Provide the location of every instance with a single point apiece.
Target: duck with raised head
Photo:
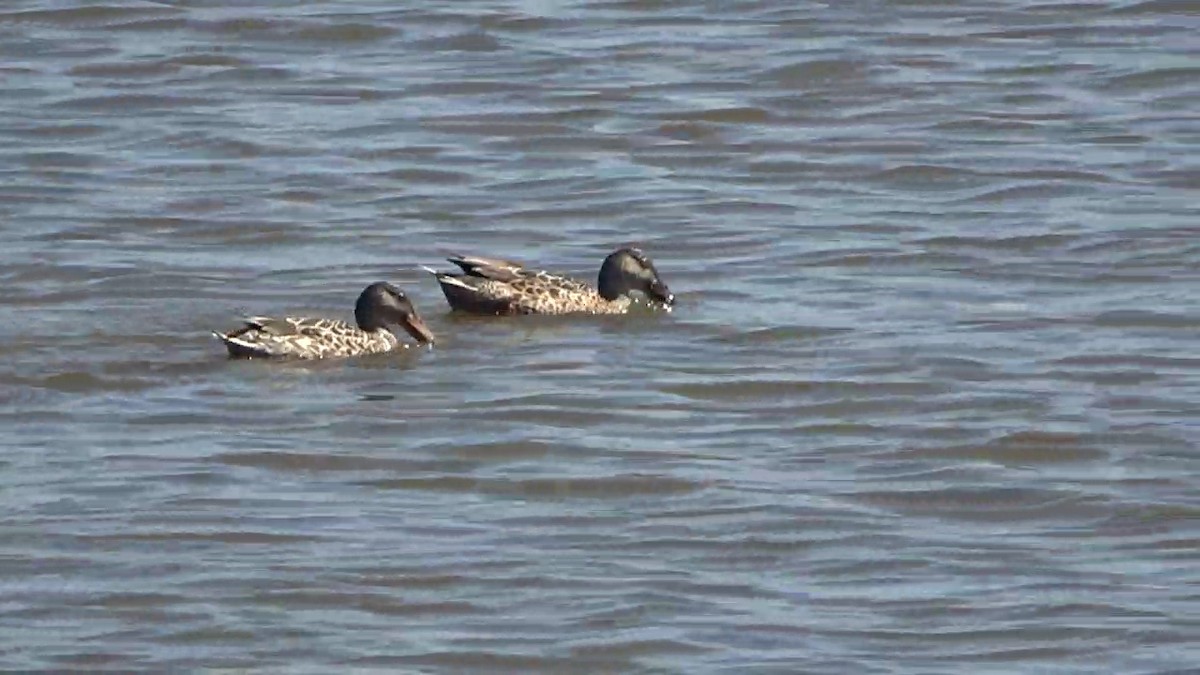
(493, 286)
(380, 307)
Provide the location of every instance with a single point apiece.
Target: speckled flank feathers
(379, 307)
(491, 286)
(527, 293)
(303, 338)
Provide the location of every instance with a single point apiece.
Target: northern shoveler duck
(491, 286)
(380, 307)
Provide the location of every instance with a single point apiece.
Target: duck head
(382, 305)
(628, 269)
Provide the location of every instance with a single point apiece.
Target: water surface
(927, 404)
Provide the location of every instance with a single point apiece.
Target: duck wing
(288, 337)
(489, 268)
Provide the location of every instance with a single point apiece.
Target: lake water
(929, 402)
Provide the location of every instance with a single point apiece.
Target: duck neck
(611, 283)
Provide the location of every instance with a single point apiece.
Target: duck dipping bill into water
(380, 307)
(492, 286)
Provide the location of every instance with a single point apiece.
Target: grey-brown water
(928, 402)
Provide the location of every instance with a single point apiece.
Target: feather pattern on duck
(493, 286)
(379, 307)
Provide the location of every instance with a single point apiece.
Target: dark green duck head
(382, 305)
(628, 269)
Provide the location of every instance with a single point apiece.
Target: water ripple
(926, 403)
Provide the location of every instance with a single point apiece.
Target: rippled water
(928, 403)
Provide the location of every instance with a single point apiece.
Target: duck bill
(415, 327)
(660, 292)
